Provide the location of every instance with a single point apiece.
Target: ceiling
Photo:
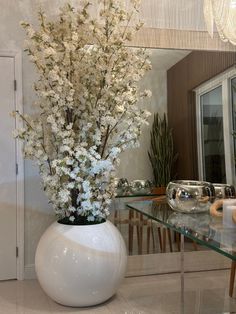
(164, 59)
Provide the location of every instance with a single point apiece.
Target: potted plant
(161, 154)
(87, 115)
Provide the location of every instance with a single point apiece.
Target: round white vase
(81, 265)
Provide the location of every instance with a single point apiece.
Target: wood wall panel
(182, 78)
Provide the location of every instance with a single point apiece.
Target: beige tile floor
(206, 293)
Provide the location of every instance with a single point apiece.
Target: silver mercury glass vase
(190, 196)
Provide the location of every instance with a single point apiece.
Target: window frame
(224, 80)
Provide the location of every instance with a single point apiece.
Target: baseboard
(150, 264)
(30, 272)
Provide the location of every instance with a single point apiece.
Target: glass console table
(201, 228)
(123, 217)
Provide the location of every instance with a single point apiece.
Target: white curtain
(173, 14)
(165, 14)
(223, 13)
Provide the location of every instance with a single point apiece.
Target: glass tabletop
(201, 227)
(130, 194)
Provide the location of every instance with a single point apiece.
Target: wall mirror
(187, 86)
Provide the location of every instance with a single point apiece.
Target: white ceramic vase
(81, 265)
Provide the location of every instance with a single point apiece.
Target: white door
(7, 171)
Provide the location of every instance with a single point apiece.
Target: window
(216, 120)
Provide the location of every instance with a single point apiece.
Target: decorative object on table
(223, 13)
(226, 209)
(140, 187)
(225, 203)
(190, 196)
(224, 190)
(123, 187)
(229, 214)
(88, 113)
(161, 154)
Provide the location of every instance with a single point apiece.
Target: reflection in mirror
(213, 136)
(233, 93)
(215, 127)
(142, 235)
(174, 80)
(134, 164)
(197, 74)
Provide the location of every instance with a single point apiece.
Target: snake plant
(161, 154)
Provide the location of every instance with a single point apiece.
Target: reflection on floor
(206, 293)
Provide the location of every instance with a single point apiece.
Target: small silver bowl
(190, 196)
(224, 190)
(140, 186)
(122, 187)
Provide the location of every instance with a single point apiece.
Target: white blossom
(88, 105)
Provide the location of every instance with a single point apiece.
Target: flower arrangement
(87, 104)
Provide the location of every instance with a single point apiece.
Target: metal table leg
(182, 271)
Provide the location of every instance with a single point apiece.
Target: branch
(42, 144)
(105, 142)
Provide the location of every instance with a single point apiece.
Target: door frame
(221, 79)
(18, 95)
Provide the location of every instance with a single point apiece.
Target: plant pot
(81, 265)
(159, 190)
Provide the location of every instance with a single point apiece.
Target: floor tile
(205, 293)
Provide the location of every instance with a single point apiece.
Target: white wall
(134, 163)
(38, 214)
